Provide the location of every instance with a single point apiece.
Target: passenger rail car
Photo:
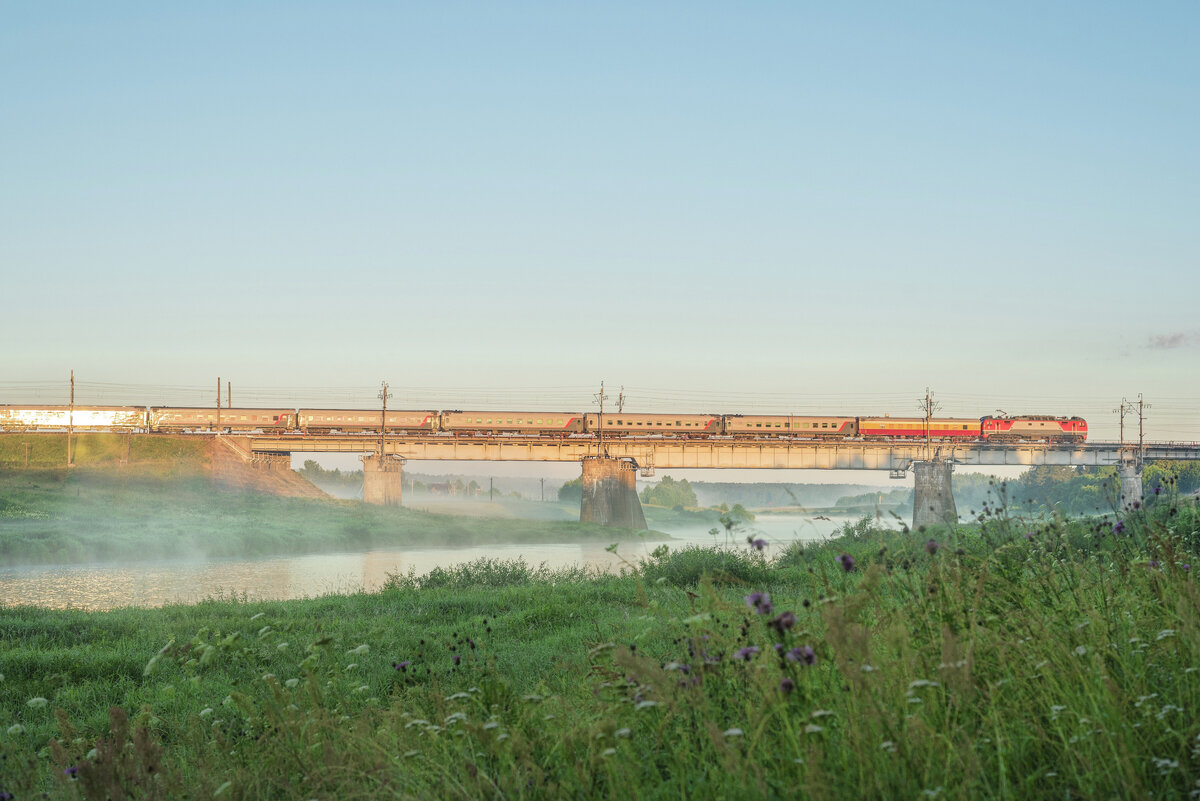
(43, 418)
(779, 425)
(457, 422)
(354, 421)
(675, 425)
(940, 428)
(178, 419)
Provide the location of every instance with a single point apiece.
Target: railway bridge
(610, 465)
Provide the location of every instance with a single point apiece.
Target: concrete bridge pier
(933, 498)
(383, 478)
(1131, 484)
(610, 493)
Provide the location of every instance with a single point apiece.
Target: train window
(678, 423)
(824, 425)
(489, 421)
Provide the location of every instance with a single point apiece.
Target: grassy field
(1006, 659)
(142, 513)
(90, 450)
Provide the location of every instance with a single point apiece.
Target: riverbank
(1003, 660)
(97, 515)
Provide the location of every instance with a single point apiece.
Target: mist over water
(110, 586)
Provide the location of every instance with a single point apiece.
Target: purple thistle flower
(402, 665)
(456, 659)
(931, 547)
(1119, 527)
(782, 622)
(746, 653)
(1158, 490)
(802, 654)
(1153, 564)
(846, 561)
(1136, 505)
(786, 685)
(758, 544)
(760, 602)
(72, 771)
(1187, 567)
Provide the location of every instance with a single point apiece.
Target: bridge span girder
(720, 454)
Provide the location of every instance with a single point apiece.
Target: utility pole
(621, 401)
(218, 404)
(383, 396)
(1120, 411)
(928, 408)
(229, 397)
(71, 421)
(1142, 406)
(600, 397)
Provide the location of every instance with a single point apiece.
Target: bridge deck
(666, 453)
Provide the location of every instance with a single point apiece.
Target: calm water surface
(109, 586)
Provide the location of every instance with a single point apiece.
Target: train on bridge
(176, 419)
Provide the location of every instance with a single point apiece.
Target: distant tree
(670, 493)
(740, 514)
(572, 491)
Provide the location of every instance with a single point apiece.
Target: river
(152, 584)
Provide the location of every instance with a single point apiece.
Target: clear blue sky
(794, 205)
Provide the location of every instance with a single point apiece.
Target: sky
(792, 207)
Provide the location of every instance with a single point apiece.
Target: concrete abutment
(933, 496)
(383, 480)
(610, 494)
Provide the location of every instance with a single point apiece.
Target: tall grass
(1007, 659)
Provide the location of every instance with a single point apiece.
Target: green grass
(140, 513)
(50, 450)
(1006, 659)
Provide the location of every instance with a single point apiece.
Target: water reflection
(109, 586)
